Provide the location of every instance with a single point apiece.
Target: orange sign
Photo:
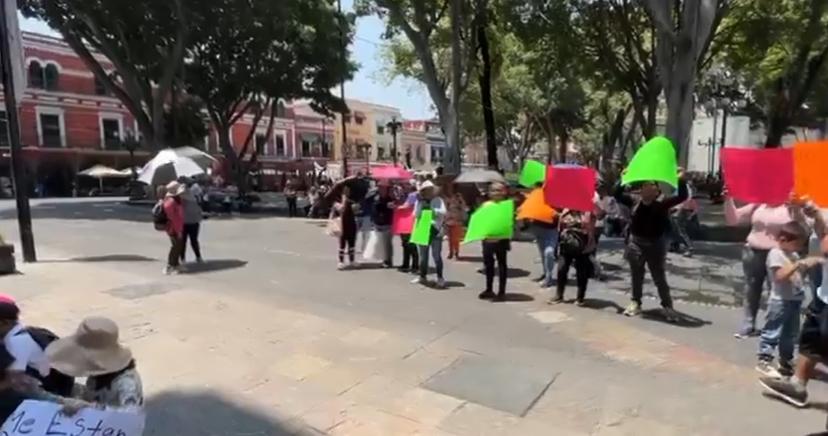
(535, 208)
(810, 161)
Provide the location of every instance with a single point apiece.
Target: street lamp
(394, 125)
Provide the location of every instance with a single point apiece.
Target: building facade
(413, 146)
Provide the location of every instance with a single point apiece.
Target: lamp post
(394, 125)
(342, 96)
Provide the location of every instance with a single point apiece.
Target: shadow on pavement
(207, 413)
(470, 259)
(684, 320)
(512, 273)
(449, 284)
(516, 297)
(599, 304)
(104, 258)
(214, 265)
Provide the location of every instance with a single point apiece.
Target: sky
(370, 83)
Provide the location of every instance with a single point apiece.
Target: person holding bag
(577, 243)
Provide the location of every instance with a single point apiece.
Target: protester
(645, 243)
(785, 270)
(344, 209)
(455, 220)
(766, 221)
(94, 352)
(290, 197)
(577, 243)
(382, 217)
(174, 212)
(429, 200)
(496, 250)
(409, 250)
(813, 340)
(546, 238)
(680, 218)
(192, 224)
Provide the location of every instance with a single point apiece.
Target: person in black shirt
(646, 244)
(382, 216)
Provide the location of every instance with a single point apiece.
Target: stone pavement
(226, 364)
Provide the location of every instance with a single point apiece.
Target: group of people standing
(178, 213)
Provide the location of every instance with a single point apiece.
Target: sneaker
(441, 283)
(539, 279)
(486, 295)
(168, 271)
(746, 333)
(786, 390)
(341, 266)
(403, 269)
(633, 309)
(670, 315)
(555, 300)
(766, 368)
(580, 303)
(181, 268)
(199, 260)
(418, 281)
(786, 369)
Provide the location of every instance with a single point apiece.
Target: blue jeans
(781, 330)
(436, 246)
(547, 241)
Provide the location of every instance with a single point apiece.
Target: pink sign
(758, 175)
(403, 221)
(570, 187)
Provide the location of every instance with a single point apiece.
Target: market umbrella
(203, 159)
(480, 176)
(391, 172)
(166, 167)
(101, 172)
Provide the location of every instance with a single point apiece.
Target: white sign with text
(39, 418)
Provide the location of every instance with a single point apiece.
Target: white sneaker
(170, 271)
(418, 281)
(340, 266)
(441, 284)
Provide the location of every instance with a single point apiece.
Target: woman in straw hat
(174, 210)
(94, 352)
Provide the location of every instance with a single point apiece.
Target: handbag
(375, 247)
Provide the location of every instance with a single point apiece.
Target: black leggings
(410, 253)
(583, 270)
(191, 232)
(492, 251)
(347, 240)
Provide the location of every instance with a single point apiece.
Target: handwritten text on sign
(38, 418)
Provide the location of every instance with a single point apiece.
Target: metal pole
(394, 136)
(21, 194)
(342, 96)
(722, 144)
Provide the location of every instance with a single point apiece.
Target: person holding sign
(495, 249)
(577, 243)
(94, 352)
(646, 245)
(765, 220)
(431, 238)
(455, 218)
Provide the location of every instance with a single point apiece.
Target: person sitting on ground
(813, 339)
(577, 243)
(646, 245)
(94, 352)
(785, 269)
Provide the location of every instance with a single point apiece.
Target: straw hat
(427, 185)
(92, 350)
(174, 189)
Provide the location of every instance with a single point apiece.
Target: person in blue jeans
(429, 200)
(546, 238)
(787, 272)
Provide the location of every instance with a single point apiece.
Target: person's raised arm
(621, 196)
(680, 197)
(735, 216)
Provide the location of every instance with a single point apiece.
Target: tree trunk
(451, 161)
(486, 84)
(563, 146)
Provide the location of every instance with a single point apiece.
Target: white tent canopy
(101, 172)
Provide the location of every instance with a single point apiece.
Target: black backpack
(159, 216)
(55, 382)
(573, 241)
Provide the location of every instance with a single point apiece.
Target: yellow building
(367, 132)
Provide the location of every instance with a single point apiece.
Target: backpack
(55, 382)
(573, 239)
(159, 216)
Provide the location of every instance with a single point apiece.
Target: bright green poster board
(533, 173)
(493, 220)
(655, 160)
(422, 228)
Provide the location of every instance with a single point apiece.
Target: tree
(186, 125)
(247, 56)
(424, 55)
(145, 42)
(779, 49)
(685, 30)
(481, 21)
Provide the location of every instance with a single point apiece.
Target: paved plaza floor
(267, 338)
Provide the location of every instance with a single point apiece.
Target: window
(380, 130)
(35, 75)
(100, 89)
(306, 146)
(359, 120)
(4, 130)
(50, 131)
(261, 144)
(280, 145)
(50, 77)
(325, 148)
(111, 131)
(380, 153)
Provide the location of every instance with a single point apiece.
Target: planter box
(7, 265)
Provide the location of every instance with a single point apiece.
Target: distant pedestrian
(410, 252)
(174, 212)
(766, 221)
(290, 197)
(577, 243)
(455, 220)
(95, 352)
(646, 244)
(786, 272)
(495, 250)
(192, 224)
(429, 200)
(344, 209)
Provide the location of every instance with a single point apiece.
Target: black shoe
(486, 295)
(786, 390)
(539, 279)
(403, 269)
(501, 297)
